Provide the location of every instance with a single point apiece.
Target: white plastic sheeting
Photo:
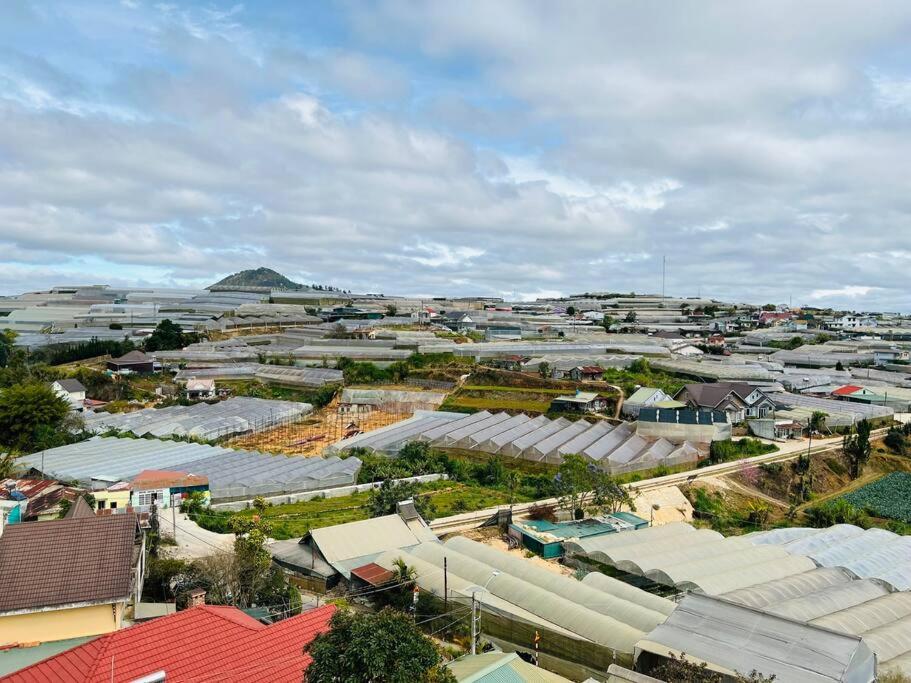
(233, 474)
(749, 575)
(615, 633)
(611, 620)
(613, 448)
(733, 638)
(868, 553)
(593, 597)
(430, 578)
(830, 600)
(795, 586)
(865, 617)
(239, 415)
(624, 590)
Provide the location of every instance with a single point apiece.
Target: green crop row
(889, 497)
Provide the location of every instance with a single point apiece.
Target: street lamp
(475, 604)
(655, 508)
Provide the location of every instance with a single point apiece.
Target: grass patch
(527, 390)
(498, 404)
(292, 520)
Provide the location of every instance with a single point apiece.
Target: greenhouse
(204, 421)
(609, 614)
(615, 449)
(233, 474)
(868, 553)
(732, 638)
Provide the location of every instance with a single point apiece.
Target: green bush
(838, 511)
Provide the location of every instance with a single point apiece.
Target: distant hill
(260, 277)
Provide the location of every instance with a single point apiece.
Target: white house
(200, 388)
(644, 397)
(71, 391)
(852, 322)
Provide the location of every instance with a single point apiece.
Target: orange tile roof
(202, 644)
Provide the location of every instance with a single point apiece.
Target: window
(145, 498)
(101, 505)
(113, 504)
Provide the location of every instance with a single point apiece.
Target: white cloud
(501, 147)
(846, 292)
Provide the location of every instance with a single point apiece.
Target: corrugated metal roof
(366, 537)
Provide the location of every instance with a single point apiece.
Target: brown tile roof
(132, 357)
(79, 508)
(81, 559)
(161, 479)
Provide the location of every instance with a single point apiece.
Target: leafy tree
(382, 500)
(839, 367)
(630, 317)
(166, 337)
(544, 369)
(896, 441)
(252, 558)
(606, 322)
(32, 416)
(818, 421)
(570, 310)
(385, 647)
(857, 447)
(7, 338)
(391, 309)
(581, 485)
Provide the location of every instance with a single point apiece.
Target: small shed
(546, 538)
(134, 361)
(580, 402)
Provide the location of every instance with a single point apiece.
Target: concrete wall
(60, 624)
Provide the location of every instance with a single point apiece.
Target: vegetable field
(889, 497)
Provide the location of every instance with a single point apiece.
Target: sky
(515, 149)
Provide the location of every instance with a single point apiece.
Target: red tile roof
(63, 561)
(846, 390)
(202, 644)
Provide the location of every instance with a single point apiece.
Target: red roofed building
(201, 644)
(846, 390)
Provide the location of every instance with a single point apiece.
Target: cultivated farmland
(889, 497)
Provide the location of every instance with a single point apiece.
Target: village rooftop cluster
(221, 484)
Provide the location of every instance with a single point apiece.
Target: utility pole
(174, 521)
(474, 625)
(663, 274)
(446, 586)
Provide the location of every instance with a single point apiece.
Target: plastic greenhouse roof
(734, 638)
(231, 473)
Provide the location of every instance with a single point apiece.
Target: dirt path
(730, 484)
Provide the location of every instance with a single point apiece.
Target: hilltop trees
(32, 417)
(166, 337)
